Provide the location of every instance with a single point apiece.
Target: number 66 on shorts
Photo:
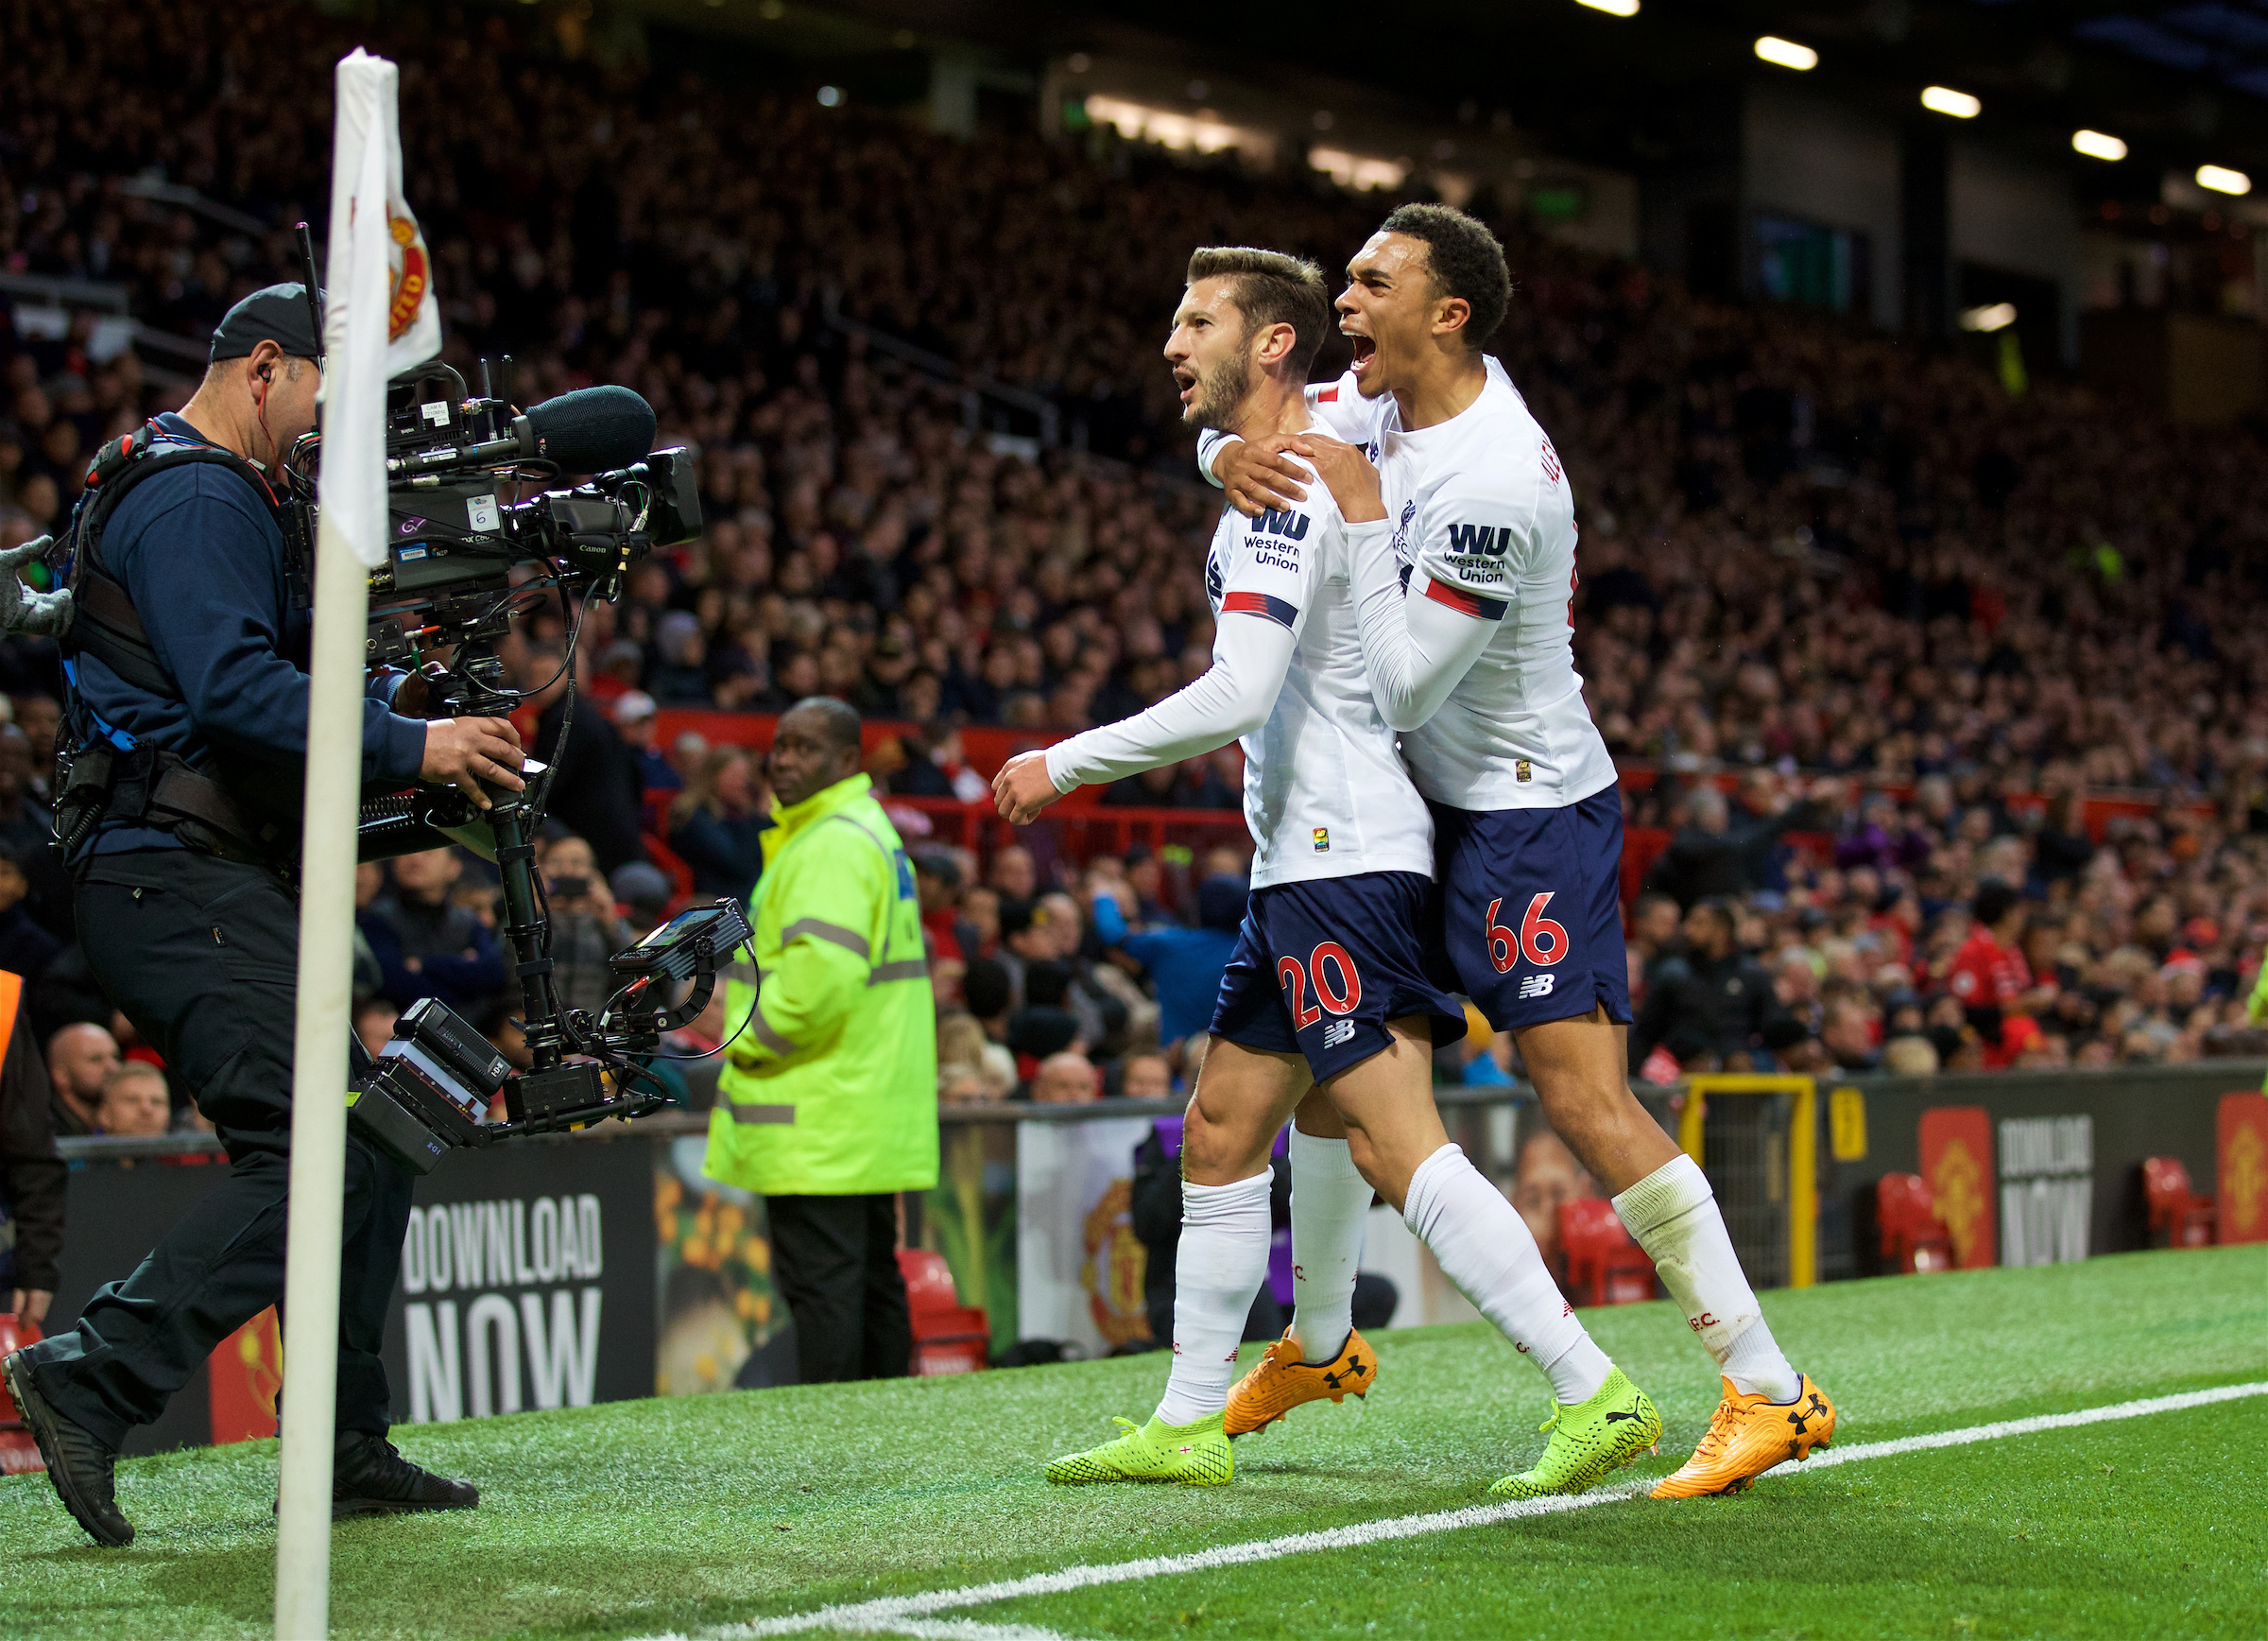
(1532, 908)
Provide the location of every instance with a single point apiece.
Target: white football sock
(1484, 1247)
(1673, 1214)
(1330, 1201)
(1221, 1262)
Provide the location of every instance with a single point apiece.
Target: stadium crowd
(1807, 548)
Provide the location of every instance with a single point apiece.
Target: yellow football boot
(1280, 1381)
(1590, 1441)
(1195, 1455)
(1747, 1436)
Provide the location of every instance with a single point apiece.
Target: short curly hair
(1465, 261)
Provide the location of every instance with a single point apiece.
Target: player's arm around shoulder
(1357, 494)
(1255, 474)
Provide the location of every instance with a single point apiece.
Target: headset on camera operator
(185, 659)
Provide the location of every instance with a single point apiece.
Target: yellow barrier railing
(1803, 1154)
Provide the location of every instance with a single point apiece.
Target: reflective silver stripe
(850, 940)
(912, 969)
(771, 1114)
(871, 838)
(765, 1035)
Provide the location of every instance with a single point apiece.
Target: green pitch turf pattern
(647, 1517)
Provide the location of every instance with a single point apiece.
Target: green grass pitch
(649, 1517)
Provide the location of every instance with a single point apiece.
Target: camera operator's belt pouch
(159, 790)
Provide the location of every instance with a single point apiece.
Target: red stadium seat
(1914, 1238)
(1604, 1266)
(949, 1337)
(2178, 1217)
(19, 1451)
(663, 855)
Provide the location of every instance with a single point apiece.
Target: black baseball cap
(278, 314)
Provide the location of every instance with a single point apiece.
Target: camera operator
(188, 714)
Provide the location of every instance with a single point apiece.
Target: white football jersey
(1483, 521)
(1325, 794)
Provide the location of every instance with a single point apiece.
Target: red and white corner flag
(381, 317)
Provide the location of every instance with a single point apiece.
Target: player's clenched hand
(1256, 475)
(1023, 787)
(1347, 473)
(463, 753)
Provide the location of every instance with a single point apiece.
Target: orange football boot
(1280, 1381)
(1747, 1436)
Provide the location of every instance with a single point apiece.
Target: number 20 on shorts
(1341, 995)
(1539, 939)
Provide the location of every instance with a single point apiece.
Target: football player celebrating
(1466, 617)
(1327, 1009)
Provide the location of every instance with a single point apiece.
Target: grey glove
(43, 614)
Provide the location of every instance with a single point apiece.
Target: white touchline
(903, 1614)
(961, 1630)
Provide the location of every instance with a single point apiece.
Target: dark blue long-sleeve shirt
(202, 558)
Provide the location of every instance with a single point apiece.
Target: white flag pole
(351, 526)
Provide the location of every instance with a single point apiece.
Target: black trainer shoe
(369, 1477)
(82, 1467)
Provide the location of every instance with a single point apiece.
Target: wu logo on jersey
(1479, 540)
(1292, 526)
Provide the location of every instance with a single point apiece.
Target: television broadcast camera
(468, 552)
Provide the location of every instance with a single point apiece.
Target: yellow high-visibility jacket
(832, 1088)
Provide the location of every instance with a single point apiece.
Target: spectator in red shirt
(1990, 978)
(938, 880)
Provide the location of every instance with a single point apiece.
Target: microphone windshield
(590, 430)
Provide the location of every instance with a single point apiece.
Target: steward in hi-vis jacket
(828, 1104)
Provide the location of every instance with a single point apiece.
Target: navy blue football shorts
(1531, 907)
(1321, 966)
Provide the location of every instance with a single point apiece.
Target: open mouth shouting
(1365, 349)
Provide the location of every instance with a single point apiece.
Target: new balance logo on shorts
(1535, 986)
(1338, 1031)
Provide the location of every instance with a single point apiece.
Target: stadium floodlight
(1786, 53)
(2098, 145)
(1357, 171)
(1996, 316)
(1941, 99)
(2221, 180)
(1612, 7)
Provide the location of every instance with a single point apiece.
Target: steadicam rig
(434, 1085)
(470, 550)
